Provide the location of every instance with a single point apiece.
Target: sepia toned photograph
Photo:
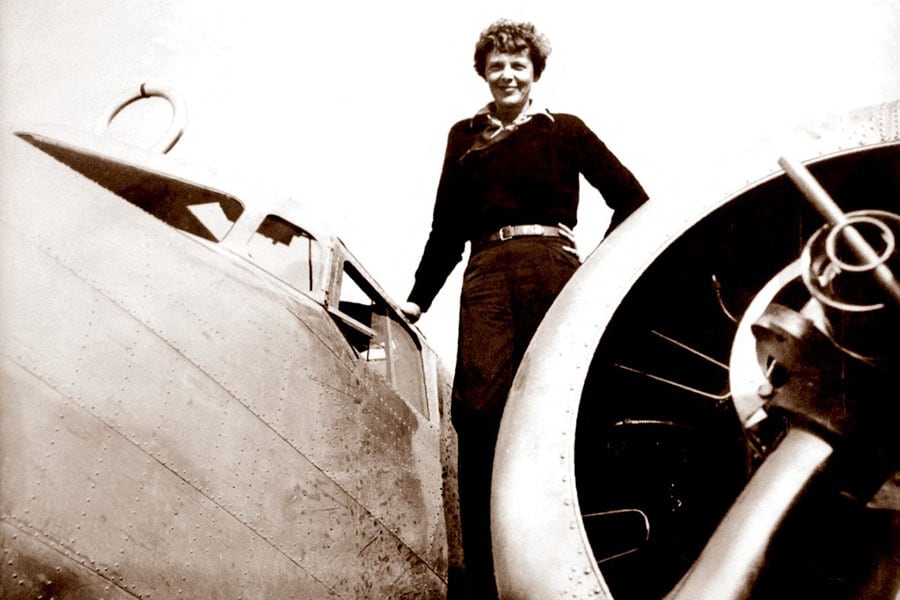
(479, 300)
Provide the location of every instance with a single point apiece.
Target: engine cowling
(647, 391)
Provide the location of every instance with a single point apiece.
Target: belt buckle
(505, 233)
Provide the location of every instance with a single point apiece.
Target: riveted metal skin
(176, 422)
(541, 547)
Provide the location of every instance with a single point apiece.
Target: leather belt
(511, 231)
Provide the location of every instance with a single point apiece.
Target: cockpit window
(381, 338)
(214, 218)
(202, 212)
(288, 252)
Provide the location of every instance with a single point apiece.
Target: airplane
(204, 393)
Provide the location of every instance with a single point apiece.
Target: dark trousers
(507, 288)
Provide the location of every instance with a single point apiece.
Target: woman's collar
(533, 109)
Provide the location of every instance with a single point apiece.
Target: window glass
(213, 218)
(288, 252)
(381, 338)
(203, 213)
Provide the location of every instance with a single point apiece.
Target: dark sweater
(531, 176)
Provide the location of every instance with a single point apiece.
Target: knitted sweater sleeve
(603, 170)
(446, 241)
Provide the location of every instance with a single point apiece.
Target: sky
(346, 105)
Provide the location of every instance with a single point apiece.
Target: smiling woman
(509, 187)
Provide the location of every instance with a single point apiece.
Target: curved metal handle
(179, 114)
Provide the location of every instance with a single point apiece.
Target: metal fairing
(620, 350)
(177, 422)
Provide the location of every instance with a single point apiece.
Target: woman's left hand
(411, 311)
(569, 236)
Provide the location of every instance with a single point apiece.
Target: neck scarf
(494, 130)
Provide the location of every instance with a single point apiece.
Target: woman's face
(509, 76)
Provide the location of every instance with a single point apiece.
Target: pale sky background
(346, 105)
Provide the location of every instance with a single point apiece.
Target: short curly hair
(505, 35)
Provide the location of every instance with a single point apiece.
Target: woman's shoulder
(571, 128)
(461, 133)
(568, 120)
(459, 138)
(463, 126)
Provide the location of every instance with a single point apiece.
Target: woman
(509, 186)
